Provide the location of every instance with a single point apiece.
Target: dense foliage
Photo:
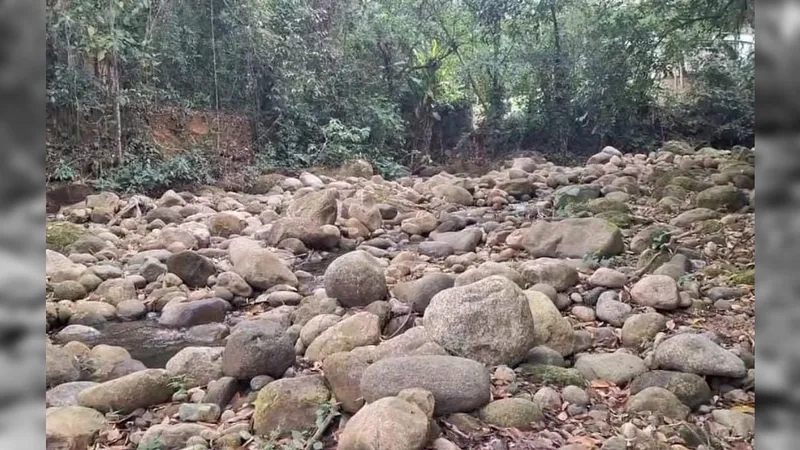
(393, 81)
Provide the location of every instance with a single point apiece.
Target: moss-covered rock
(722, 198)
(552, 375)
(618, 218)
(59, 236)
(677, 147)
(745, 276)
(357, 168)
(566, 199)
(512, 413)
(689, 183)
(265, 183)
(709, 226)
(673, 190)
(647, 256)
(601, 205)
(289, 404)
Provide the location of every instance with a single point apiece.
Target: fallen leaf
(744, 409)
(602, 384)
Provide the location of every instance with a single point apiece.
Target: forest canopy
(397, 82)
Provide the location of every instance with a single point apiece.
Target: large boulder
(190, 313)
(319, 207)
(364, 208)
(318, 237)
(457, 384)
(696, 353)
(551, 329)
(289, 404)
(258, 266)
(72, 427)
(566, 197)
(200, 365)
(656, 291)
(192, 268)
(489, 321)
(258, 348)
(453, 194)
(569, 238)
(618, 367)
(140, 389)
(225, 224)
(355, 279)
(724, 198)
(691, 389)
(61, 366)
(390, 423)
(343, 371)
(358, 330)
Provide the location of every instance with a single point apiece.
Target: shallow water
(148, 342)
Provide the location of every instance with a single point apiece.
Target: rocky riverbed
(608, 306)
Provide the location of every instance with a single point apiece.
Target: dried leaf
(747, 409)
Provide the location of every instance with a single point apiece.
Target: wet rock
(260, 348)
(191, 313)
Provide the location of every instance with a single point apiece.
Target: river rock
(125, 394)
(261, 348)
(355, 279)
(457, 384)
(488, 321)
(696, 353)
(289, 404)
(258, 266)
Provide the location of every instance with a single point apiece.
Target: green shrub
(151, 173)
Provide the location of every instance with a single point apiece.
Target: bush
(149, 172)
(720, 108)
